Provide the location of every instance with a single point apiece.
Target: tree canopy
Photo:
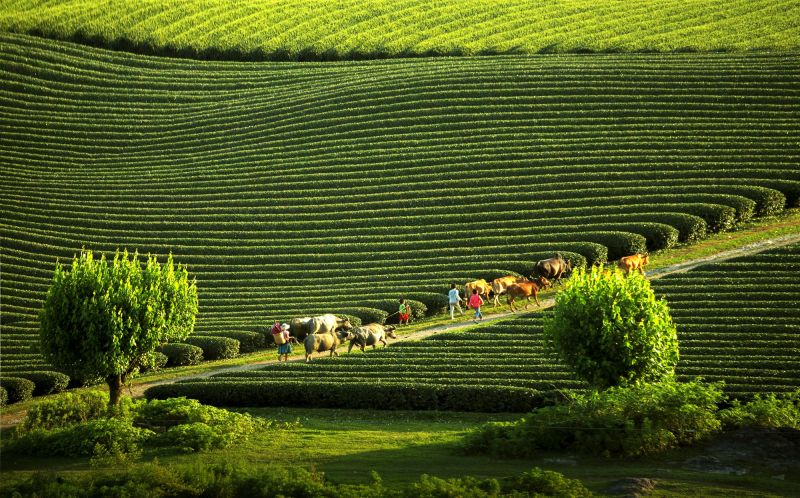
(610, 328)
(105, 320)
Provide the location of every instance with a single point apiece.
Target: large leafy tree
(610, 328)
(105, 320)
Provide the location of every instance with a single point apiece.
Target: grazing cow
(370, 335)
(323, 324)
(325, 342)
(554, 268)
(500, 285)
(526, 290)
(634, 262)
(482, 285)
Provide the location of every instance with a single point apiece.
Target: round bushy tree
(610, 328)
(102, 319)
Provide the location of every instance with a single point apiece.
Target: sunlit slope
(295, 189)
(336, 29)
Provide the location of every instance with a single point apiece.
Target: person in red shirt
(475, 302)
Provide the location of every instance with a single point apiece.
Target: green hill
(292, 189)
(325, 30)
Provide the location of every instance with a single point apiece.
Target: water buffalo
(553, 268)
(325, 342)
(634, 262)
(370, 335)
(526, 290)
(482, 285)
(500, 285)
(323, 324)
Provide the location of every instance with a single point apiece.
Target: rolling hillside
(346, 29)
(738, 321)
(291, 189)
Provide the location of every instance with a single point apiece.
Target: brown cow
(482, 285)
(526, 290)
(634, 262)
(325, 342)
(500, 285)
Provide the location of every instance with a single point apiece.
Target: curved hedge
(179, 355)
(46, 382)
(18, 389)
(3, 396)
(366, 315)
(214, 348)
(248, 341)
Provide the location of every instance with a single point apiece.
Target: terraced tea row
(325, 30)
(291, 190)
(752, 354)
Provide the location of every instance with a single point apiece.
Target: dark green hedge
(18, 389)
(214, 347)
(47, 382)
(248, 341)
(659, 235)
(390, 306)
(182, 354)
(366, 315)
(394, 396)
(436, 303)
(3, 396)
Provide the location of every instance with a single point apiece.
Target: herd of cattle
(326, 332)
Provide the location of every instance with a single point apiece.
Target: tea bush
(179, 354)
(18, 389)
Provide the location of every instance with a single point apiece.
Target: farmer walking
(455, 301)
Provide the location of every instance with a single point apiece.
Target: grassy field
(343, 29)
(293, 189)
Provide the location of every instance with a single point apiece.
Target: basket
(279, 338)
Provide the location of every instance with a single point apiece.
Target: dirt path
(8, 420)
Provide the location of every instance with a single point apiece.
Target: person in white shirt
(455, 301)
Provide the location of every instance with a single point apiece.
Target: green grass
(329, 30)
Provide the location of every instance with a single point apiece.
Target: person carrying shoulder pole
(455, 301)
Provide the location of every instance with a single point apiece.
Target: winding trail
(8, 420)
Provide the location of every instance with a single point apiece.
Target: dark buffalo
(325, 342)
(370, 335)
(554, 268)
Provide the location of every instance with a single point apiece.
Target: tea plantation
(290, 189)
(738, 322)
(341, 29)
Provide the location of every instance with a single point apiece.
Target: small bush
(180, 355)
(159, 360)
(66, 409)
(18, 389)
(764, 411)
(390, 306)
(366, 315)
(215, 348)
(548, 483)
(435, 302)
(248, 341)
(46, 382)
(83, 439)
(637, 420)
(3, 396)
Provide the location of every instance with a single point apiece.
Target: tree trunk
(114, 389)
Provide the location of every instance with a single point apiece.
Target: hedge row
(376, 396)
(18, 389)
(45, 382)
(181, 354)
(248, 341)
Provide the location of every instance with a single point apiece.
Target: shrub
(248, 341)
(366, 315)
(160, 361)
(610, 328)
(18, 389)
(764, 411)
(181, 354)
(638, 420)
(618, 243)
(390, 306)
(537, 482)
(215, 348)
(659, 235)
(83, 439)
(65, 409)
(3, 397)
(355, 321)
(435, 303)
(46, 382)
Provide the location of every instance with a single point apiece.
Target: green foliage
(180, 354)
(215, 348)
(106, 319)
(46, 382)
(160, 361)
(17, 389)
(228, 479)
(611, 329)
(390, 306)
(65, 409)
(764, 411)
(248, 341)
(638, 420)
(3, 396)
(366, 315)
(102, 435)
